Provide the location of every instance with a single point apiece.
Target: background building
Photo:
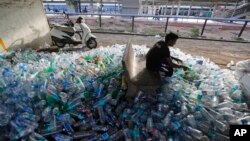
(197, 8)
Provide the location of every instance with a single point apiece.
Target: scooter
(67, 34)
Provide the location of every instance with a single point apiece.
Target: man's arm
(176, 59)
(173, 65)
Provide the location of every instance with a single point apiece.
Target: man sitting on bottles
(158, 58)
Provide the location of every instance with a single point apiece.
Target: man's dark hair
(171, 36)
(78, 20)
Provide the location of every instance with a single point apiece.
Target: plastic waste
(81, 96)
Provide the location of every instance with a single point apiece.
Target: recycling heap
(81, 96)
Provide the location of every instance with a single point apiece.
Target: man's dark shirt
(157, 56)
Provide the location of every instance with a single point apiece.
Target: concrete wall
(23, 24)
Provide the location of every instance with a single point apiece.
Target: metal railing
(133, 16)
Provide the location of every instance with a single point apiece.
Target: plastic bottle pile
(80, 96)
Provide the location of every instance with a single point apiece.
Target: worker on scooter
(80, 21)
(87, 37)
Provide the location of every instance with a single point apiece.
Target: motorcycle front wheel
(78, 36)
(91, 43)
(60, 44)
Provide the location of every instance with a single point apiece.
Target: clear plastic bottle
(220, 125)
(117, 136)
(244, 120)
(100, 128)
(138, 96)
(83, 135)
(194, 132)
(149, 124)
(101, 114)
(191, 121)
(221, 137)
(68, 128)
(21, 132)
(62, 137)
(127, 134)
(136, 134)
(120, 107)
(4, 116)
(184, 109)
(63, 96)
(157, 114)
(206, 114)
(227, 104)
(46, 114)
(99, 90)
(36, 137)
(167, 118)
(185, 136)
(162, 108)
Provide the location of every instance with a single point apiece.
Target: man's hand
(179, 60)
(185, 68)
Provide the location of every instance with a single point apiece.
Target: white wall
(23, 23)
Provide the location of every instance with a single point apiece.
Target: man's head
(171, 38)
(79, 20)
